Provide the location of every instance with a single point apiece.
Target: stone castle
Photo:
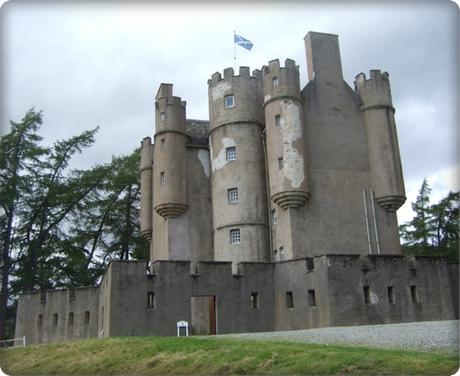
(278, 213)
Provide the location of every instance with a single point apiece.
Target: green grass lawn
(193, 356)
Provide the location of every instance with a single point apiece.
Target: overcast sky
(90, 64)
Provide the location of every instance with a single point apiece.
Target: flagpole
(234, 52)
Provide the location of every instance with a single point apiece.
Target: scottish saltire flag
(243, 42)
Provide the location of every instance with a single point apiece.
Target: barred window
(229, 101)
(232, 195)
(235, 236)
(231, 153)
(70, 319)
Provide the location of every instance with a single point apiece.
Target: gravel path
(425, 335)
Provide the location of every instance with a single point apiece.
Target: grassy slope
(166, 355)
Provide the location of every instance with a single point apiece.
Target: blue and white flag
(243, 42)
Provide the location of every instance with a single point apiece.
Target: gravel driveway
(425, 335)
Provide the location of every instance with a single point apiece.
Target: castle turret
(284, 131)
(169, 185)
(146, 187)
(238, 182)
(384, 159)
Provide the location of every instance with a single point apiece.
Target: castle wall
(302, 280)
(173, 285)
(419, 287)
(50, 320)
(189, 236)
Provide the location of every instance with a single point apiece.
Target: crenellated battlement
(165, 97)
(229, 75)
(375, 90)
(281, 82)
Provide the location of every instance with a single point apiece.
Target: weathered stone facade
(277, 214)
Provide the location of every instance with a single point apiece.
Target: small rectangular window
(311, 298)
(254, 300)
(280, 163)
(275, 82)
(55, 319)
(150, 300)
(162, 178)
(70, 319)
(229, 101)
(413, 272)
(87, 317)
(232, 195)
(367, 294)
(310, 264)
(42, 296)
(289, 299)
(40, 321)
(414, 294)
(391, 297)
(162, 116)
(235, 236)
(71, 294)
(162, 143)
(278, 120)
(231, 153)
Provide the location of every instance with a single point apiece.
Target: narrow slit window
(70, 319)
(278, 120)
(231, 153)
(254, 300)
(280, 163)
(87, 317)
(275, 82)
(229, 101)
(162, 116)
(235, 236)
(275, 255)
(367, 294)
(311, 298)
(162, 178)
(150, 300)
(414, 294)
(232, 195)
(273, 217)
(40, 321)
(72, 294)
(289, 299)
(391, 296)
(281, 254)
(162, 143)
(55, 319)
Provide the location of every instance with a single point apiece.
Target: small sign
(182, 329)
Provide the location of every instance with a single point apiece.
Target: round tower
(238, 181)
(169, 185)
(146, 187)
(285, 140)
(384, 159)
